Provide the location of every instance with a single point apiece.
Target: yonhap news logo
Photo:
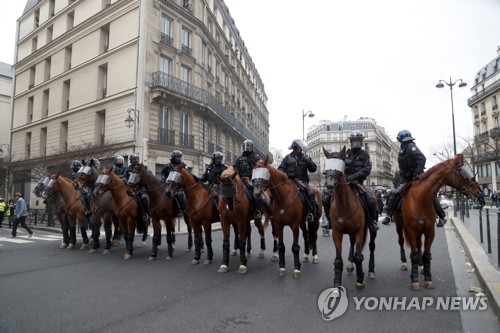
(333, 303)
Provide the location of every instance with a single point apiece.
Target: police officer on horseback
(144, 199)
(174, 164)
(243, 165)
(118, 167)
(358, 167)
(296, 166)
(76, 165)
(214, 170)
(411, 164)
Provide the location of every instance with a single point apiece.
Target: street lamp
(450, 84)
(129, 122)
(303, 119)
(2, 151)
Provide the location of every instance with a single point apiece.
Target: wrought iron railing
(486, 91)
(187, 140)
(166, 39)
(166, 136)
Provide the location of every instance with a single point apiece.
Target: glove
(350, 178)
(416, 175)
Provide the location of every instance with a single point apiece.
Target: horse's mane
(228, 172)
(433, 169)
(196, 179)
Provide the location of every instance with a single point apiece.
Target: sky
(350, 59)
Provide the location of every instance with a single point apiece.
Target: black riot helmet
(217, 157)
(248, 146)
(176, 157)
(134, 159)
(95, 162)
(76, 165)
(404, 136)
(119, 160)
(298, 143)
(356, 139)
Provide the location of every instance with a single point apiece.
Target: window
(495, 122)
(163, 121)
(476, 112)
(102, 81)
(37, 18)
(165, 64)
(100, 127)
(105, 38)
(70, 21)
(495, 105)
(45, 103)
(34, 44)
(166, 30)
(67, 57)
(484, 127)
(185, 77)
(48, 63)
(32, 77)
(27, 151)
(51, 8)
(65, 94)
(63, 139)
(29, 117)
(43, 141)
(186, 139)
(50, 32)
(186, 41)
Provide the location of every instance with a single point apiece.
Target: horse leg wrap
(225, 252)
(156, 243)
(426, 259)
(358, 261)
(338, 267)
(210, 252)
(296, 259)
(243, 256)
(415, 259)
(402, 255)
(262, 243)
(197, 247)
(281, 254)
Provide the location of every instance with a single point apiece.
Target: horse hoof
(371, 275)
(274, 257)
(127, 256)
(168, 258)
(195, 261)
(350, 267)
(360, 286)
(207, 262)
(305, 258)
(70, 247)
(415, 286)
(429, 285)
(151, 258)
(261, 255)
(233, 253)
(222, 269)
(142, 244)
(107, 251)
(84, 246)
(296, 274)
(404, 266)
(92, 251)
(315, 259)
(282, 272)
(242, 269)
(63, 246)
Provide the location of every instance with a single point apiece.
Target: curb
(487, 274)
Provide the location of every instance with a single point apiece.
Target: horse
(102, 210)
(73, 205)
(201, 208)
(56, 203)
(125, 207)
(348, 216)
(417, 216)
(161, 207)
(237, 209)
(287, 208)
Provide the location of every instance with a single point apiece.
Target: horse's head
(175, 180)
(52, 186)
(463, 179)
(84, 177)
(136, 180)
(334, 167)
(260, 176)
(228, 186)
(40, 187)
(106, 181)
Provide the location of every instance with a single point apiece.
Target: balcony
(166, 136)
(166, 39)
(482, 137)
(186, 49)
(187, 140)
(495, 133)
(480, 95)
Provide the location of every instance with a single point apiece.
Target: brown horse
(287, 208)
(73, 205)
(56, 202)
(418, 216)
(125, 207)
(201, 208)
(161, 207)
(348, 216)
(237, 210)
(102, 210)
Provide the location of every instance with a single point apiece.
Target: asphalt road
(45, 289)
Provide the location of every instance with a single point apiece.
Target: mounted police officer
(76, 165)
(296, 166)
(173, 165)
(144, 199)
(118, 167)
(411, 164)
(214, 170)
(358, 167)
(243, 165)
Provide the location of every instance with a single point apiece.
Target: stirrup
(258, 214)
(309, 218)
(441, 222)
(145, 217)
(386, 221)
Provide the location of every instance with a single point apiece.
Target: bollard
(498, 239)
(467, 209)
(488, 234)
(462, 208)
(481, 226)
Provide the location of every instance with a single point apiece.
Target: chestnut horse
(56, 203)
(161, 207)
(237, 209)
(102, 210)
(418, 216)
(287, 208)
(125, 207)
(73, 205)
(201, 208)
(348, 216)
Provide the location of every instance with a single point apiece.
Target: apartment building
(6, 75)
(485, 113)
(143, 76)
(333, 135)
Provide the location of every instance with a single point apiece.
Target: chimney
(498, 50)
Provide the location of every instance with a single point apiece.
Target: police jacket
(244, 163)
(169, 168)
(118, 169)
(411, 160)
(128, 170)
(211, 173)
(297, 165)
(358, 165)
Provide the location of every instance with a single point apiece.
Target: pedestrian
(2, 211)
(481, 200)
(21, 214)
(11, 212)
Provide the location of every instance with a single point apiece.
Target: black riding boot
(145, 207)
(440, 213)
(371, 206)
(391, 202)
(312, 207)
(88, 211)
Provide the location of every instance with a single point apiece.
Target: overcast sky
(380, 59)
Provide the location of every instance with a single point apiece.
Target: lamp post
(450, 84)
(303, 120)
(129, 122)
